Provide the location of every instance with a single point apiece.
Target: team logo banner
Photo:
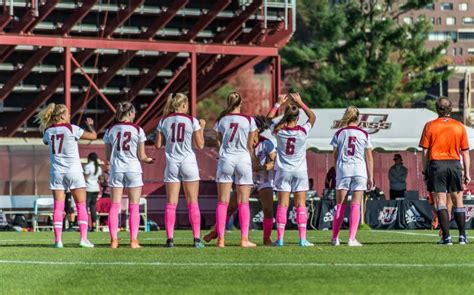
(372, 123)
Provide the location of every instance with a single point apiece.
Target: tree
(356, 53)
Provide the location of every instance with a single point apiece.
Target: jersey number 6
(125, 144)
(290, 146)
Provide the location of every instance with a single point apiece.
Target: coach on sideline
(443, 141)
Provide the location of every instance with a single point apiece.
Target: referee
(444, 140)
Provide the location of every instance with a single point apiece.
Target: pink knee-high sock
(170, 219)
(134, 220)
(244, 219)
(354, 221)
(114, 219)
(281, 221)
(338, 220)
(267, 227)
(82, 219)
(221, 217)
(195, 219)
(58, 216)
(301, 220)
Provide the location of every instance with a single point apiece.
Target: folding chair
(42, 207)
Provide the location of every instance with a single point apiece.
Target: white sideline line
(232, 264)
(92, 240)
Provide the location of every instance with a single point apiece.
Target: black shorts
(445, 176)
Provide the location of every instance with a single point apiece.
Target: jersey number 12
(125, 144)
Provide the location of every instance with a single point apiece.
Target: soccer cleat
(169, 243)
(446, 242)
(305, 243)
(335, 242)
(198, 244)
(462, 240)
(58, 245)
(220, 243)
(354, 243)
(278, 243)
(86, 244)
(267, 242)
(114, 244)
(212, 235)
(245, 243)
(134, 244)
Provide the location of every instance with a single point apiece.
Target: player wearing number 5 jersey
(125, 148)
(180, 131)
(234, 166)
(291, 172)
(66, 170)
(352, 148)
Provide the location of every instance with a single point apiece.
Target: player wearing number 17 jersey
(291, 172)
(353, 173)
(125, 148)
(66, 170)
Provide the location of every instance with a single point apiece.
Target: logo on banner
(469, 212)
(413, 215)
(372, 123)
(258, 218)
(388, 215)
(329, 216)
(292, 216)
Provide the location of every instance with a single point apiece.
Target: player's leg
(58, 216)
(77, 184)
(354, 219)
(116, 183)
(460, 215)
(243, 196)
(266, 199)
(134, 195)
(191, 192)
(443, 217)
(282, 216)
(172, 197)
(91, 204)
(223, 192)
(231, 208)
(342, 188)
(302, 217)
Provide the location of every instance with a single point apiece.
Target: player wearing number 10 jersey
(351, 149)
(66, 170)
(291, 172)
(125, 148)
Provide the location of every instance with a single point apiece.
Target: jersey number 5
(125, 144)
(290, 146)
(60, 138)
(177, 134)
(351, 146)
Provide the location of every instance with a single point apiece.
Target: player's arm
(311, 116)
(89, 133)
(335, 154)
(142, 156)
(370, 168)
(281, 100)
(255, 163)
(159, 140)
(270, 164)
(108, 152)
(218, 141)
(198, 135)
(467, 166)
(425, 161)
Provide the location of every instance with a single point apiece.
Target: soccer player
(354, 172)
(180, 131)
(66, 169)
(234, 166)
(443, 141)
(125, 148)
(291, 172)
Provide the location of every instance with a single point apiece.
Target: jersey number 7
(234, 127)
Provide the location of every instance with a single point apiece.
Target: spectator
(330, 181)
(92, 172)
(398, 178)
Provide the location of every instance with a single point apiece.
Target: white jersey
(291, 151)
(124, 139)
(351, 143)
(235, 129)
(92, 181)
(264, 148)
(64, 152)
(178, 130)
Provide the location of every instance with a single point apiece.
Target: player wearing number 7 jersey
(180, 131)
(291, 172)
(125, 148)
(351, 149)
(66, 170)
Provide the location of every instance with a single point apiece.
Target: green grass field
(390, 262)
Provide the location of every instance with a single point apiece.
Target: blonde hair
(50, 115)
(292, 112)
(124, 109)
(351, 115)
(234, 99)
(174, 102)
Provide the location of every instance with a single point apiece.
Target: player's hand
(370, 183)
(202, 123)
(89, 122)
(296, 98)
(467, 179)
(149, 160)
(282, 99)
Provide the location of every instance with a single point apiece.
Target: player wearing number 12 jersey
(291, 172)
(66, 170)
(353, 173)
(125, 148)
(180, 132)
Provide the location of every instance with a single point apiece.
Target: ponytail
(124, 109)
(93, 157)
(234, 99)
(263, 123)
(292, 113)
(50, 115)
(351, 115)
(174, 102)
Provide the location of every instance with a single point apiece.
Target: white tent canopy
(389, 129)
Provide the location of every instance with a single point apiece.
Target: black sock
(444, 222)
(460, 218)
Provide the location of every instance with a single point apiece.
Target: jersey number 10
(177, 134)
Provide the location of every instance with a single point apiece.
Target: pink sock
(195, 219)
(170, 219)
(267, 228)
(354, 221)
(114, 219)
(301, 220)
(58, 216)
(221, 216)
(82, 219)
(338, 220)
(281, 221)
(134, 220)
(244, 219)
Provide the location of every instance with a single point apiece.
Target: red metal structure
(92, 54)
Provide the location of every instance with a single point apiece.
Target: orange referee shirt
(444, 138)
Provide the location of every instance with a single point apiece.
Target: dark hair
(234, 99)
(292, 113)
(92, 157)
(444, 106)
(263, 123)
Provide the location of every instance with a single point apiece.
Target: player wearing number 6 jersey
(291, 172)
(351, 149)
(234, 166)
(66, 170)
(125, 148)
(180, 131)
